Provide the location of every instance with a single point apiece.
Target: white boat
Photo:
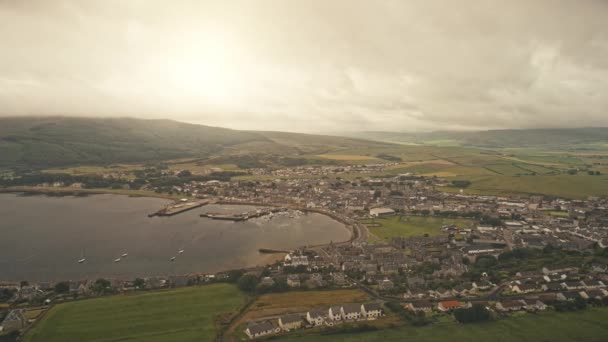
(80, 261)
(181, 251)
(124, 255)
(172, 259)
(117, 260)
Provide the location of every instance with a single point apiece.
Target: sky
(310, 65)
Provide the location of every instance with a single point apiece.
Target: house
(483, 285)
(15, 320)
(262, 329)
(267, 281)
(351, 311)
(593, 284)
(420, 305)
(550, 270)
(293, 280)
(373, 310)
(385, 284)
(381, 212)
(335, 313)
(339, 278)
(552, 287)
(316, 317)
(597, 294)
(449, 305)
(290, 322)
(524, 288)
(534, 305)
(573, 285)
(510, 305)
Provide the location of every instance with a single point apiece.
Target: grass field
(548, 326)
(186, 314)
(407, 226)
(271, 304)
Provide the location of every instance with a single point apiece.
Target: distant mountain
(514, 138)
(39, 142)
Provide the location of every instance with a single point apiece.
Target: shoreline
(264, 260)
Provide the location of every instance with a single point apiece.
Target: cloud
(310, 65)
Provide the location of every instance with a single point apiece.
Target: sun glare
(205, 68)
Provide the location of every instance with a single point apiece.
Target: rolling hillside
(41, 142)
(571, 138)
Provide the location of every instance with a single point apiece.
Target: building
(315, 317)
(510, 305)
(372, 310)
(293, 280)
(290, 322)
(351, 311)
(262, 329)
(381, 212)
(15, 320)
(420, 305)
(385, 284)
(449, 305)
(335, 313)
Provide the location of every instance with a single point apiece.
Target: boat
(117, 260)
(172, 259)
(82, 258)
(124, 255)
(181, 251)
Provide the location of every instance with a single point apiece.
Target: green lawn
(185, 314)
(589, 325)
(412, 225)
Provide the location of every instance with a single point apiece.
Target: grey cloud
(310, 65)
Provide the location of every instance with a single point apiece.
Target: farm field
(186, 314)
(588, 325)
(407, 226)
(569, 186)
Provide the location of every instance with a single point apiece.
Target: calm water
(41, 238)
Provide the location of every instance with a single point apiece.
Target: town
(418, 252)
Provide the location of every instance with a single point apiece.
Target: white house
(373, 310)
(262, 329)
(335, 313)
(351, 311)
(315, 317)
(381, 212)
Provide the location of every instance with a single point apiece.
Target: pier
(243, 216)
(179, 207)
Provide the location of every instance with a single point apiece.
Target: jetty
(179, 207)
(243, 216)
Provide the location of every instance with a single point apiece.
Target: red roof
(450, 304)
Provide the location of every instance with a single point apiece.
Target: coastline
(264, 259)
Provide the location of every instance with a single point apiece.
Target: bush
(476, 313)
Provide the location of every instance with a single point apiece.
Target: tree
(248, 283)
(62, 287)
(139, 283)
(102, 286)
(476, 313)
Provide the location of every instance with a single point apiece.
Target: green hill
(573, 138)
(42, 142)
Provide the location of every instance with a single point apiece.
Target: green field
(407, 226)
(589, 325)
(186, 314)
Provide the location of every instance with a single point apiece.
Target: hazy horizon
(310, 66)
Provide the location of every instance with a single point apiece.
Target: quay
(179, 207)
(243, 216)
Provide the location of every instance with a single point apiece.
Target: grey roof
(290, 318)
(315, 313)
(261, 327)
(372, 307)
(351, 308)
